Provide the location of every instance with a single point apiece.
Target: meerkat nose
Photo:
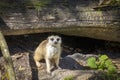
(55, 42)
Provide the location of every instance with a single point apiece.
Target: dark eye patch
(51, 39)
(58, 39)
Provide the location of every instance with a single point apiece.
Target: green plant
(5, 76)
(69, 77)
(106, 76)
(39, 4)
(102, 63)
(111, 2)
(92, 62)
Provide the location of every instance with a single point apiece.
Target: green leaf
(108, 63)
(101, 65)
(92, 62)
(103, 57)
(112, 69)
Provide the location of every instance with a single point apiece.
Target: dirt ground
(22, 48)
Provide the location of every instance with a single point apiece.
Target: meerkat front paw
(48, 71)
(38, 64)
(59, 67)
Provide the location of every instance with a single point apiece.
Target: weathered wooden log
(77, 18)
(7, 58)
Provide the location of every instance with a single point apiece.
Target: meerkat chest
(52, 51)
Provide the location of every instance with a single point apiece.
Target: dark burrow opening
(70, 44)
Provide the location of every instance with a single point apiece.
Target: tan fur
(40, 52)
(46, 50)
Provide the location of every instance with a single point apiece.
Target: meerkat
(50, 50)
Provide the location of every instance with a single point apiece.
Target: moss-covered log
(7, 58)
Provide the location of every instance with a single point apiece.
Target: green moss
(106, 76)
(5, 76)
(70, 77)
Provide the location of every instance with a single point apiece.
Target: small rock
(81, 58)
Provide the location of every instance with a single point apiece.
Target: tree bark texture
(7, 58)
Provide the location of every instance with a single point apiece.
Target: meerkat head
(54, 40)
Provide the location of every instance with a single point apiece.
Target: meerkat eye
(51, 39)
(58, 39)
